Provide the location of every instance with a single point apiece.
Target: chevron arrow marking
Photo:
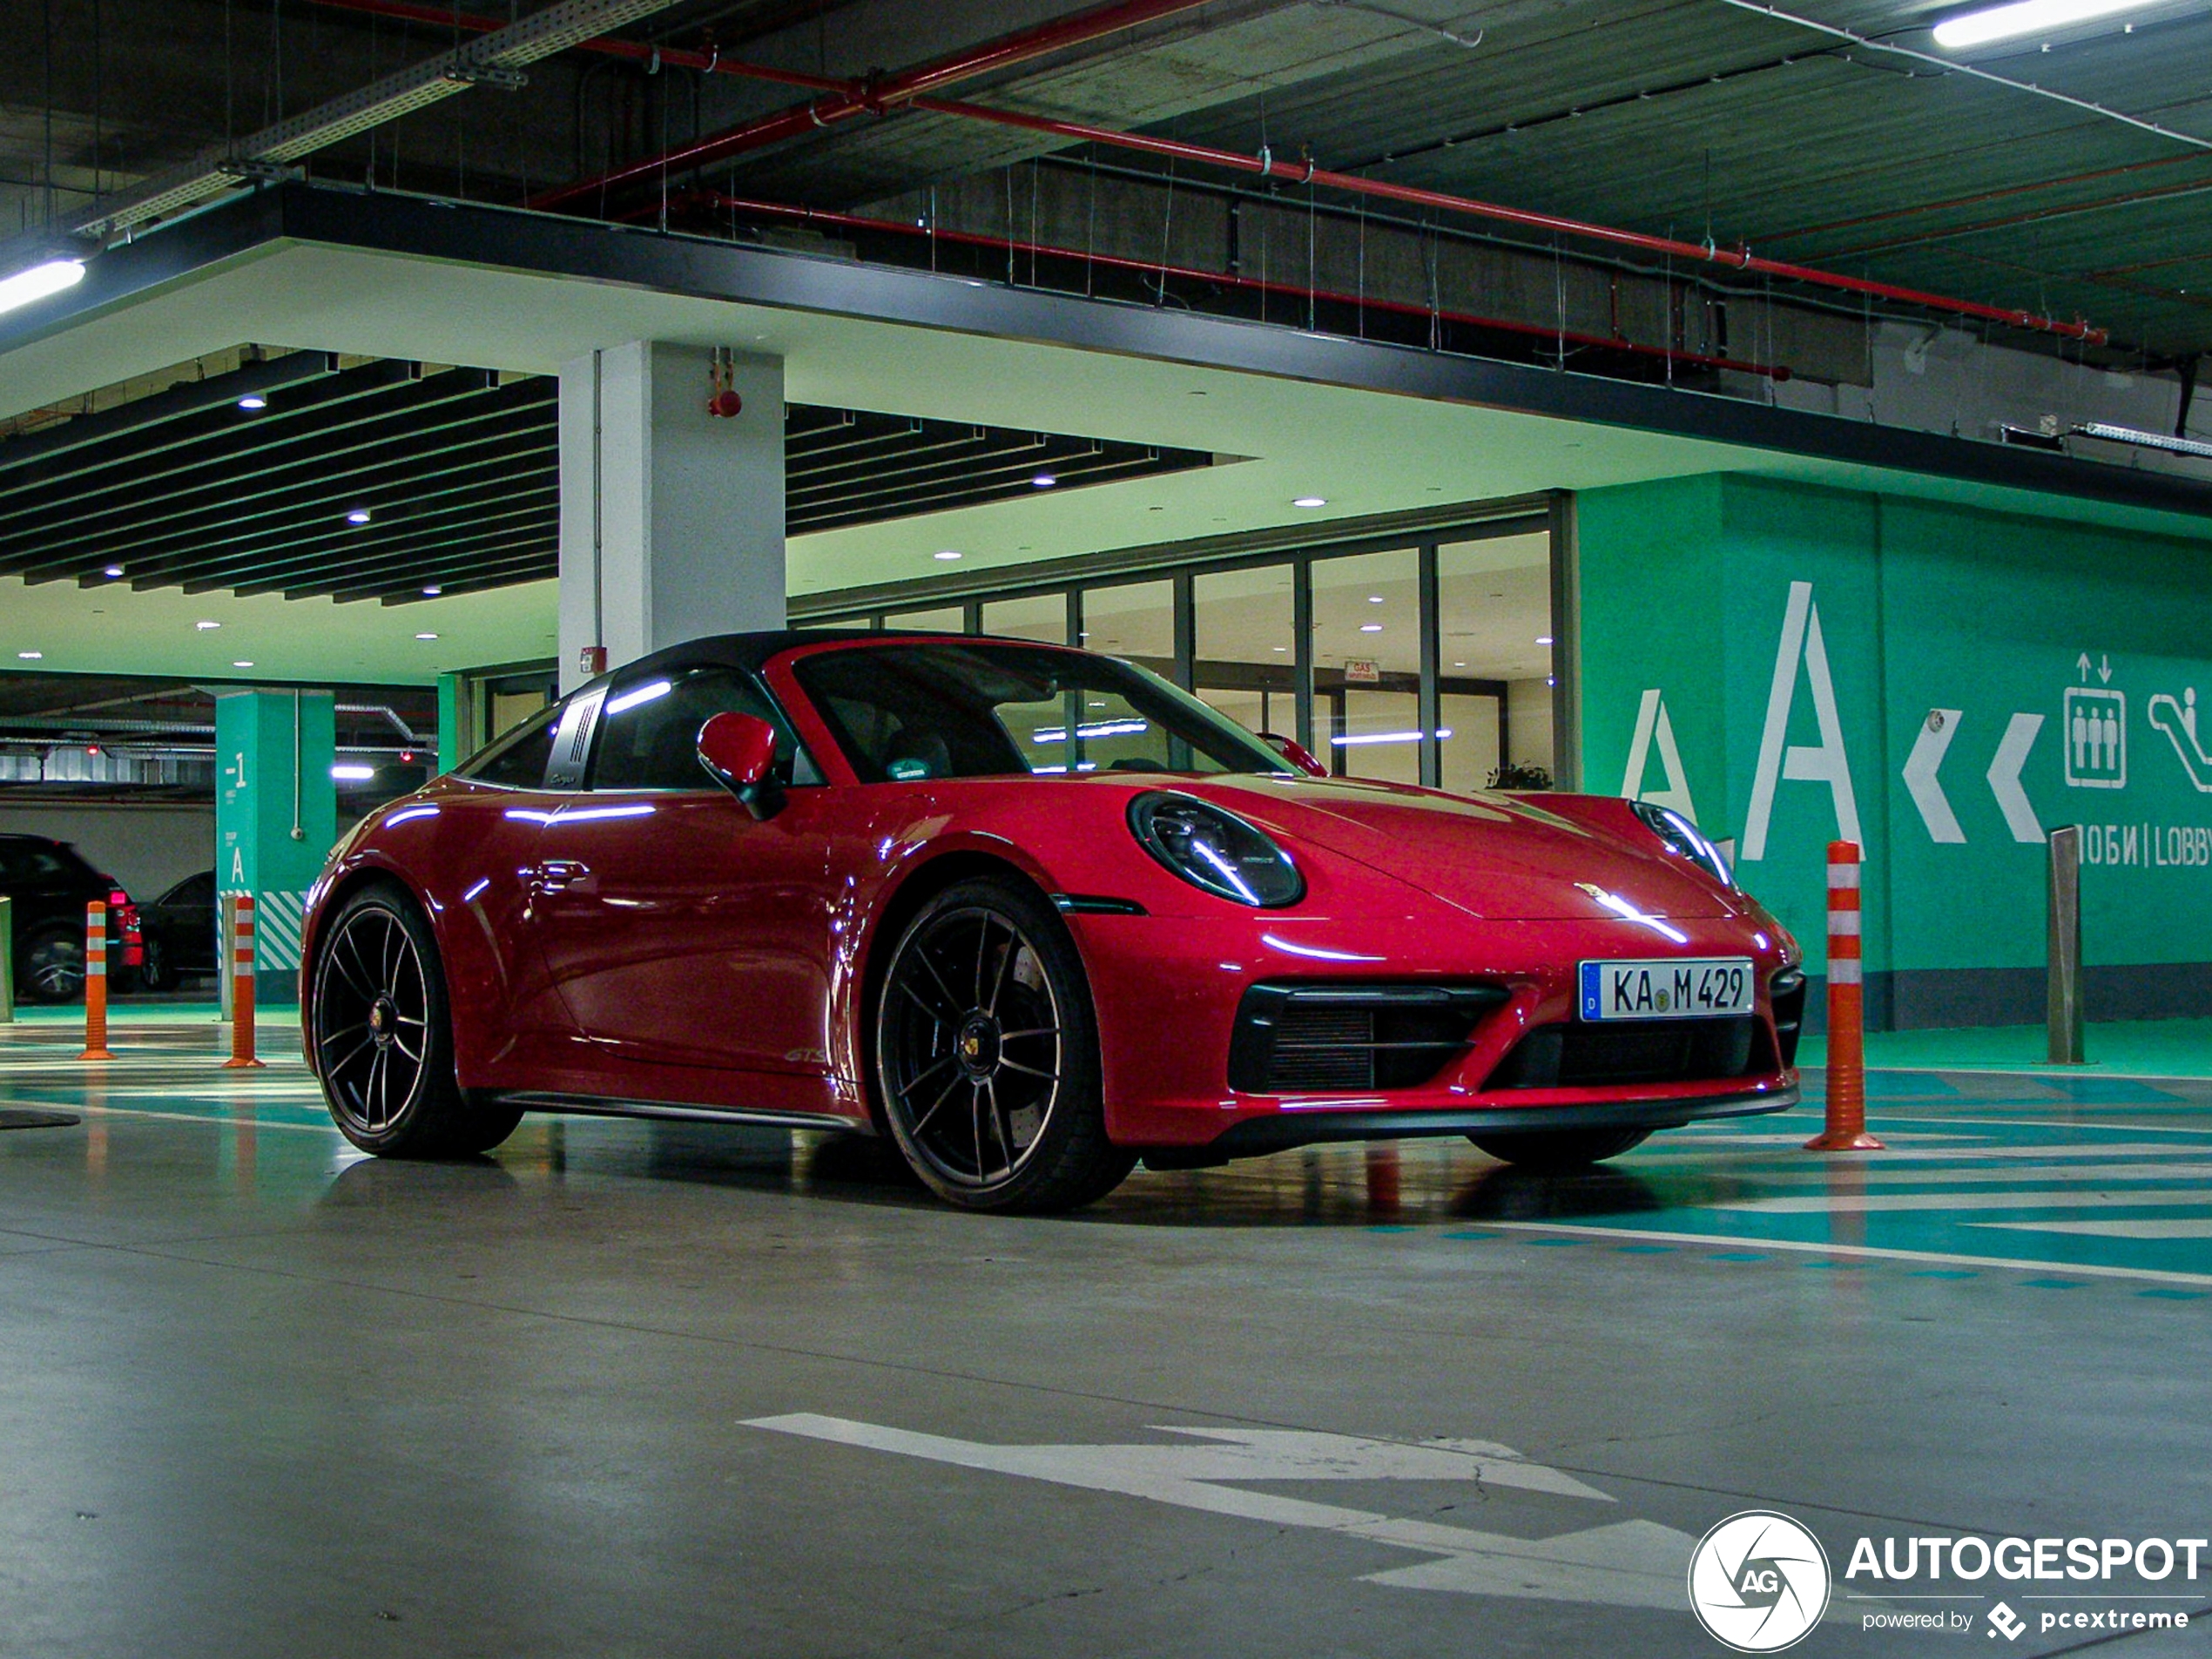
(2004, 778)
(1921, 783)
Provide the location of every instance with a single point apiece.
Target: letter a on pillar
(1654, 727)
(1821, 762)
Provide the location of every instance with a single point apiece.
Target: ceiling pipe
(876, 95)
(771, 129)
(1228, 279)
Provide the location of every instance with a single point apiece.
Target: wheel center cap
(382, 1016)
(978, 1045)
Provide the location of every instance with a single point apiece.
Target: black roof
(750, 652)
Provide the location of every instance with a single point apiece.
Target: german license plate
(1679, 990)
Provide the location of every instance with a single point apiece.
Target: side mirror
(1297, 753)
(739, 751)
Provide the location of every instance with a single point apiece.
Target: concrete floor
(632, 1389)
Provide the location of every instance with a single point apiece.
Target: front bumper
(1168, 991)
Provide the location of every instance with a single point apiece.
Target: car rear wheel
(53, 967)
(153, 966)
(987, 1054)
(1559, 1149)
(383, 1036)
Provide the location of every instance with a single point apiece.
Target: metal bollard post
(7, 961)
(96, 982)
(2063, 920)
(1845, 1129)
(241, 976)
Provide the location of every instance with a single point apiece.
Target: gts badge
(806, 1057)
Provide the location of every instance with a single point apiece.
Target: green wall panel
(1949, 635)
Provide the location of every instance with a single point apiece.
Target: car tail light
(126, 922)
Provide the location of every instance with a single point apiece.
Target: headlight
(1215, 850)
(1680, 836)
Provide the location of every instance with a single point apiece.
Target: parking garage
(1320, 551)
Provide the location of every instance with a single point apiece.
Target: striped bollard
(96, 982)
(1846, 1125)
(241, 984)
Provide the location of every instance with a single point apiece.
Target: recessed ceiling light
(1543, 639)
(1371, 627)
(359, 516)
(1311, 501)
(432, 591)
(1044, 481)
(1459, 665)
(243, 663)
(253, 400)
(113, 570)
(945, 553)
(1979, 27)
(204, 625)
(1279, 650)
(425, 635)
(31, 656)
(1374, 598)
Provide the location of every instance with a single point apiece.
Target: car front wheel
(383, 1036)
(987, 1054)
(1560, 1149)
(53, 967)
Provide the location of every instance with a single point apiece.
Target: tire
(153, 966)
(378, 988)
(1558, 1149)
(987, 1054)
(53, 967)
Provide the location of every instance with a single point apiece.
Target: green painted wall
(276, 817)
(1692, 589)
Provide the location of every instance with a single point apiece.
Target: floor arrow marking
(2004, 776)
(1632, 1563)
(1920, 781)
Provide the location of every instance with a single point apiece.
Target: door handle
(555, 873)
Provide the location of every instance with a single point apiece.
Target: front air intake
(1300, 1039)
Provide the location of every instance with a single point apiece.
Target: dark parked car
(180, 933)
(50, 884)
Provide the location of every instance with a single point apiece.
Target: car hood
(1493, 857)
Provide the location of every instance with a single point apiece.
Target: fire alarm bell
(723, 403)
(591, 661)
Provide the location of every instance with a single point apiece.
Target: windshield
(978, 709)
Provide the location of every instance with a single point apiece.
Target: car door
(680, 930)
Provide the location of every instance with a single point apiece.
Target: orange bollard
(96, 982)
(241, 984)
(1846, 1125)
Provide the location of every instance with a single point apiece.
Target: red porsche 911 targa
(1035, 914)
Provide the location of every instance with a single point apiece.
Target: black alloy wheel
(383, 1045)
(1558, 1151)
(54, 966)
(987, 1054)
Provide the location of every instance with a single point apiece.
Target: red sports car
(1034, 913)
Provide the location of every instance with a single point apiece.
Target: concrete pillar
(671, 518)
(455, 741)
(276, 816)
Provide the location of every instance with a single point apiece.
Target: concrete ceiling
(1366, 452)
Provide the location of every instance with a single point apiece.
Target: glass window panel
(946, 619)
(1367, 664)
(1469, 747)
(1135, 620)
(1041, 617)
(1245, 640)
(1495, 626)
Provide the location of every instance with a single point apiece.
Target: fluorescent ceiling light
(425, 635)
(204, 626)
(39, 282)
(359, 516)
(1044, 481)
(1543, 639)
(2024, 17)
(1311, 501)
(113, 569)
(947, 553)
(243, 663)
(1371, 627)
(31, 656)
(253, 400)
(353, 774)
(432, 591)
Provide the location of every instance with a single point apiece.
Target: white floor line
(1867, 1252)
(2152, 1227)
(1876, 1161)
(2074, 1175)
(1858, 1203)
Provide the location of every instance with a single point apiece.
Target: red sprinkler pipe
(847, 99)
(1227, 279)
(876, 96)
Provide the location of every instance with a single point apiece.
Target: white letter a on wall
(1653, 726)
(1821, 762)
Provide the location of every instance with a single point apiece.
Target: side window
(517, 759)
(649, 730)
